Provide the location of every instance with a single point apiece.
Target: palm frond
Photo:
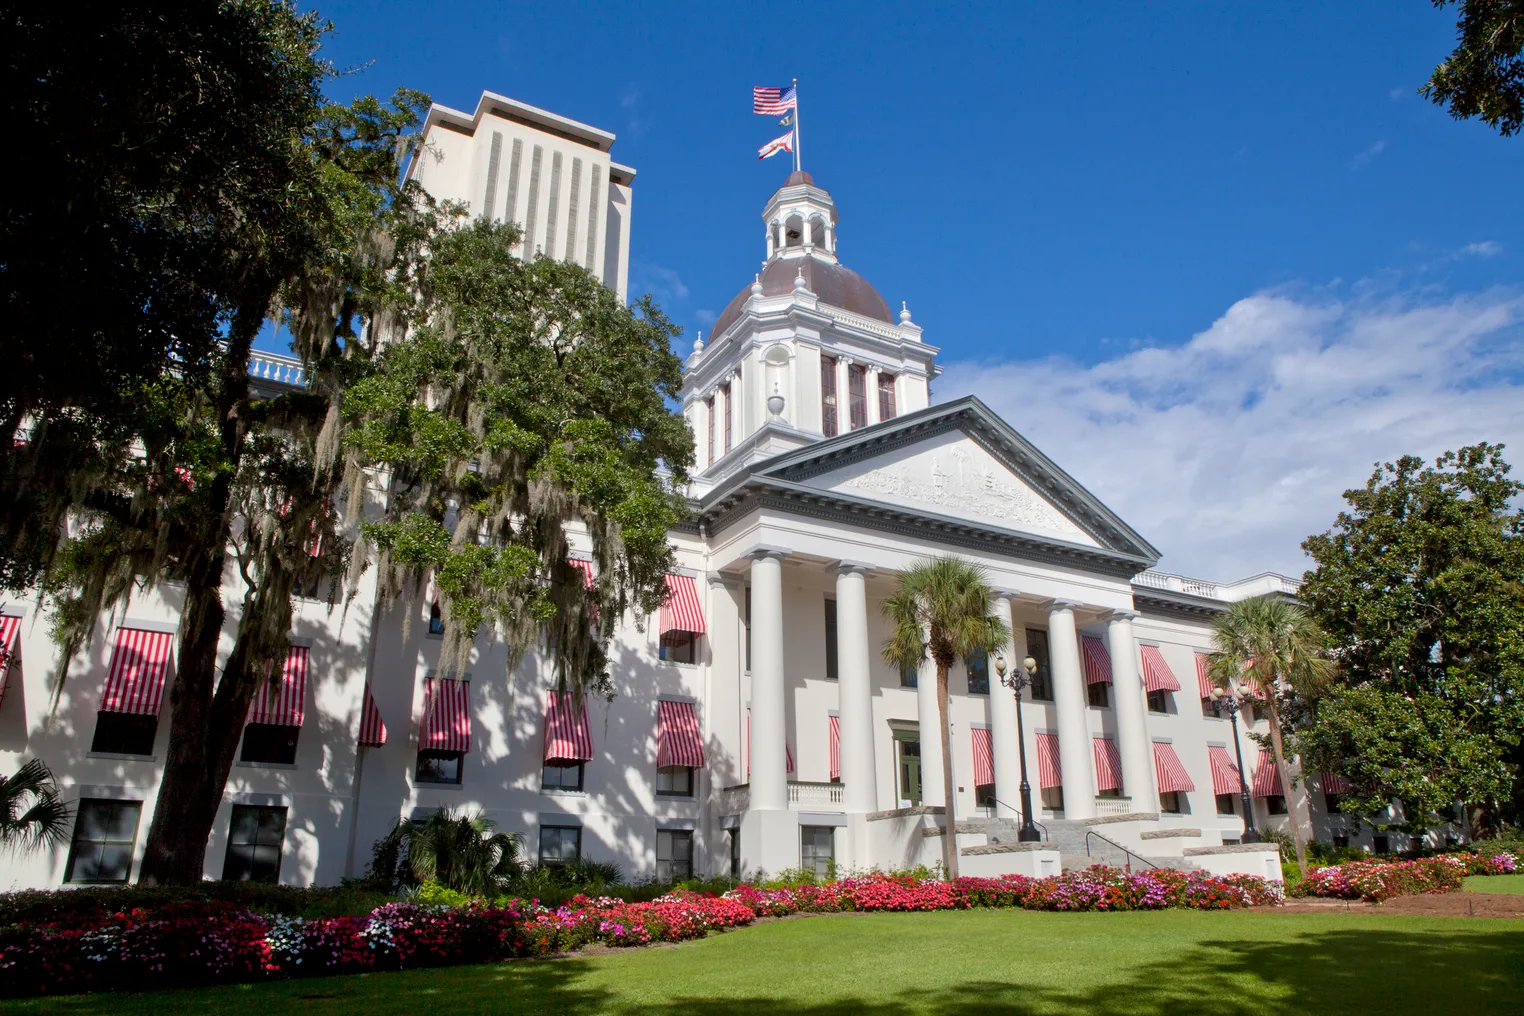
(31, 814)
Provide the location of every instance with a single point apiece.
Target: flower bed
(1375, 881)
(199, 943)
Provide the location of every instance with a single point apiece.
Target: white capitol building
(754, 726)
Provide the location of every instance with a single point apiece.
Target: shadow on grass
(1479, 970)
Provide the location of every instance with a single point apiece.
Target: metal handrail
(1106, 839)
(1020, 816)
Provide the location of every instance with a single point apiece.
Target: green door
(908, 749)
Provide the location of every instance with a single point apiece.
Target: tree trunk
(950, 834)
(1284, 772)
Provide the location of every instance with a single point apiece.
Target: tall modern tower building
(553, 176)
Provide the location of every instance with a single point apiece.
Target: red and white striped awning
(1156, 673)
(446, 715)
(585, 567)
(567, 737)
(1108, 764)
(788, 750)
(1169, 770)
(372, 727)
(1267, 778)
(10, 630)
(283, 696)
(1204, 680)
(678, 741)
(984, 757)
(1224, 770)
(1097, 660)
(1050, 773)
(835, 747)
(135, 682)
(681, 611)
(1333, 783)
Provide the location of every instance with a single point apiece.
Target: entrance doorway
(907, 756)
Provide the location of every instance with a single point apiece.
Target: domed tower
(808, 351)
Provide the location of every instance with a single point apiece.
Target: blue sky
(1144, 232)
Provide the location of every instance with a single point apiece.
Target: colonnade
(769, 786)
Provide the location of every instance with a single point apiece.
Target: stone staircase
(1069, 839)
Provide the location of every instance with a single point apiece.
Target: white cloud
(1485, 249)
(663, 283)
(1364, 158)
(1227, 451)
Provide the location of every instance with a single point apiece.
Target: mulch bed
(1463, 904)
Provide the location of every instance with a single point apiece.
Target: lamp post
(1227, 702)
(1019, 680)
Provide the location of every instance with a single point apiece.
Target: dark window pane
(270, 743)
(830, 640)
(828, 396)
(675, 781)
(439, 766)
(560, 844)
(735, 853)
(1042, 679)
(255, 837)
(1275, 804)
(679, 647)
(1099, 695)
(817, 849)
(910, 675)
(104, 835)
(124, 733)
(436, 620)
(1225, 804)
(984, 795)
(1158, 701)
(562, 777)
(978, 666)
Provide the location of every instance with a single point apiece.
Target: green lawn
(1512, 884)
(952, 963)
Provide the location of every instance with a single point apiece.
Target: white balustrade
(1113, 805)
(735, 800)
(808, 795)
(286, 370)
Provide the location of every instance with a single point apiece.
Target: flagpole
(797, 166)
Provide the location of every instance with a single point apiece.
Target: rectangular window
(674, 855)
(1341, 839)
(984, 795)
(1158, 701)
(1042, 679)
(830, 639)
(679, 647)
(1225, 805)
(725, 395)
(436, 620)
(124, 733)
(436, 766)
(910, 675)
(1170, 802)
(271, 743)
(886, 409)
(255, 836)
(1208, 707)
(1275, 804)
(1099, 695)
(709, 422)
(735, 853)
(857, 394)
(560, 844)
(908, 748)
(1053, 798)
(674, 781)
(828, 396)
(817, 849)
(1331, 802)
(1381, 843)
(562, 776)
(104, 834)
(978, 666)
(746, 621)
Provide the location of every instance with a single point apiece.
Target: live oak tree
(1420, 584)
(523, 408)
(1278, 648)
(942, 611)
(1484, 76)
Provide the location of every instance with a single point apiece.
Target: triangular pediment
(951, 474)
(960, 463)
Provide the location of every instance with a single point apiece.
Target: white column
(870, 381)
(772, 237)
(931, 740)
(1132, 725)
(769, 780)
(830, 237)
(1003, 731)
(1076, 755)
(808, 231)
(853, 656)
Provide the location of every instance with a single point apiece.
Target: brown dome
(799, 176)
(834, 284)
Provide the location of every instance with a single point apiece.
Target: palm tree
(942, 610)
(1274, 644)
(31, 814)
(466, 854)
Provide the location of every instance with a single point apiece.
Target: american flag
(772, 101)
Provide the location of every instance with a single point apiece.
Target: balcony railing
(801, 796)
(274, 367)
(1113, 805)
